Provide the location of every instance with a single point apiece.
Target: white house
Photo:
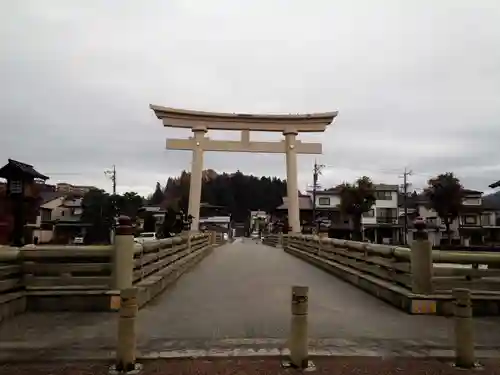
(380, 224)
(477, 223)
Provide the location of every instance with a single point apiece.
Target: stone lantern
(22, 195)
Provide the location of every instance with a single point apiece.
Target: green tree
(149, 223)
(356, 199)
(238, 192)
(129, 204)
(158, 196)
(445, 195)
(98, 210)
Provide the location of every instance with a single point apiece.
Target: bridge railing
(48, 267)
(478, 271)
(12, 299)
(166, 254)
(272, 239)
(53, 277)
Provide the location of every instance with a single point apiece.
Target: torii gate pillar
(195, 184)
(201, 122)
(292, 189)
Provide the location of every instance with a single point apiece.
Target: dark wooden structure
(22, 193)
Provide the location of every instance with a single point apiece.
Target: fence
(49, 277)
(12, 300)
(272, 239)
(473, 270)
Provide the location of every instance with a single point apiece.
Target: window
(472, 201)
(16, 187)
(370, 213)
(387, 212)
(485, 220)
(45, 215)
(383, 195)
(470, 220)
(324, 201)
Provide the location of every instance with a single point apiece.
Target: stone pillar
(298, 330)
(421, 260)
(464, 329)
(291, 180)
(196, 176)
(126, 343)
(123, 259)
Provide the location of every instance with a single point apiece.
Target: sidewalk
(257, 366)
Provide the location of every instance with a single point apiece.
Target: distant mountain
(492, 200)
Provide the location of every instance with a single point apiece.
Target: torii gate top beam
(181, 118)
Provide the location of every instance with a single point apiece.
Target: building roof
(305, 203)
(182, 118)
(471, 192)
(16, 166)
(385, 187)
(47, 196)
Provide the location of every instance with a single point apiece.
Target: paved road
(240, 295)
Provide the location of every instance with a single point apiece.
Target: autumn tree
(445, 195)
(356, 199)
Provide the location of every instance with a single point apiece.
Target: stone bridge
(237, 299)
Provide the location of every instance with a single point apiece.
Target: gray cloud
(417, 84)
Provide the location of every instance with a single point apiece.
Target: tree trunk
(448, 231)
(356, 232)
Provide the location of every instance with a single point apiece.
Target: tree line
(240, 194)
(237, 192)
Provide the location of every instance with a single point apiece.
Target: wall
(334, 201)
(392, 203)
(44, 236)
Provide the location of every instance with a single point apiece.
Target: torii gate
(200, 122)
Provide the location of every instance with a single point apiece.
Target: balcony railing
(387, 220)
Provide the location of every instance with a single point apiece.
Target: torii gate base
(201, 122)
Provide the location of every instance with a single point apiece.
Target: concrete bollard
(123, 259)
(421, 261)
(125, 354)
(464, 329)
(298, 331)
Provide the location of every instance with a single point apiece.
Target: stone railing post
(464, 329)
(126, 345)
(298, 330)
(421, 260)
(123, 257)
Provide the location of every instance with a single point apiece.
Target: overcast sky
(416, 84)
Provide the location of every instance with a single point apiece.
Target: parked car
(146, 237)
(78, 240)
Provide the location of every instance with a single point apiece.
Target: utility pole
(112, 175)
(316, 173)
(405, 203)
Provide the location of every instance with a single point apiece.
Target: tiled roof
(304, 203)
(469, 191)
(23, 167)
(386, 187)
(47, 196)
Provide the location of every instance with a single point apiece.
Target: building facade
(477, 224)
